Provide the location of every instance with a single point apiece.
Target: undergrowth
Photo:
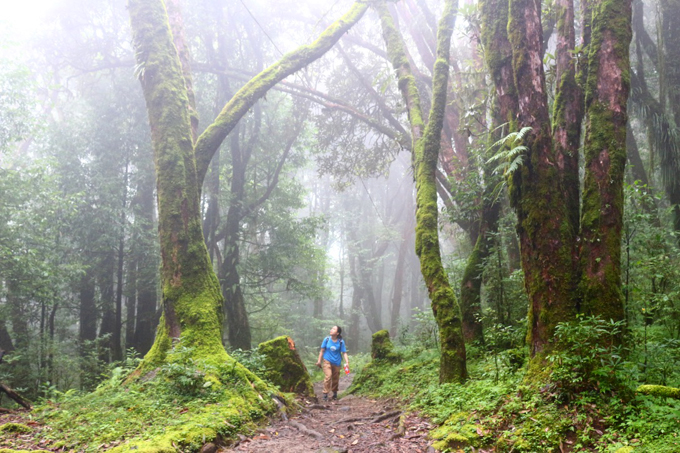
(178, 407)
(500, 412)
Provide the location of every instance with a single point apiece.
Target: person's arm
(346, 359)
(321, 351)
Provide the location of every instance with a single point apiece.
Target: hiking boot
(325, 397)
(335, 395)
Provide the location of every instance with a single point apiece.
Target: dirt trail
(349, 425)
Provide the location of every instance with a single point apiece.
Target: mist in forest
(308, 204)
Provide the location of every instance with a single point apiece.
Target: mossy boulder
(659, 390)
(284, 368)
(15, 428)
(457, 433)
(382, 347)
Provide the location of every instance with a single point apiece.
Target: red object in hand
(346, 369)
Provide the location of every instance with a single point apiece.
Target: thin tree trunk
(6, 343)
(238, 326)
(398, 287)
(116, 339)
(88, 309)
(426, 155)
(108, 295)
(146, 277)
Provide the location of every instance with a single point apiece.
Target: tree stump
(382, 347)
(284, 368)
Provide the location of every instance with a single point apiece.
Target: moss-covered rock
(284, 368)
(15, 428)
(659, 390)
(382, 347)
(625, 450)
(457, 433)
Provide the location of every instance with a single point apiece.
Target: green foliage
(17, 102)
(588, 356)
(253, 359)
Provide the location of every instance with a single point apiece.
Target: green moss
(659, 390)
(458, 432)
(7, 450)
(284, 368)
(186, 404)
(17, 428)
(625, 450)
(382, 347)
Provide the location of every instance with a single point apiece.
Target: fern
(510, 152)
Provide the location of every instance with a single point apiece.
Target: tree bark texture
(536, 193)
(606, 96)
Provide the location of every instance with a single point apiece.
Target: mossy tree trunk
(426, 146)
(191, 296)
(544, 190)
(605, 158)
(536, 193)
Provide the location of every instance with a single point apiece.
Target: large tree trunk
(426, 154)
(670, 32)
(605, 158)
(192, 302)
(545, 231)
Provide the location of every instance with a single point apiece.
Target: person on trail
(331, 349)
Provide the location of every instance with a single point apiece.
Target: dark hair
(339, 332)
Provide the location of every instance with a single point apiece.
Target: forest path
(349, 425)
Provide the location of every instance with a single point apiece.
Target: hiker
(331, 348)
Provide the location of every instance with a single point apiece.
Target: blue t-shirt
(333, 349)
